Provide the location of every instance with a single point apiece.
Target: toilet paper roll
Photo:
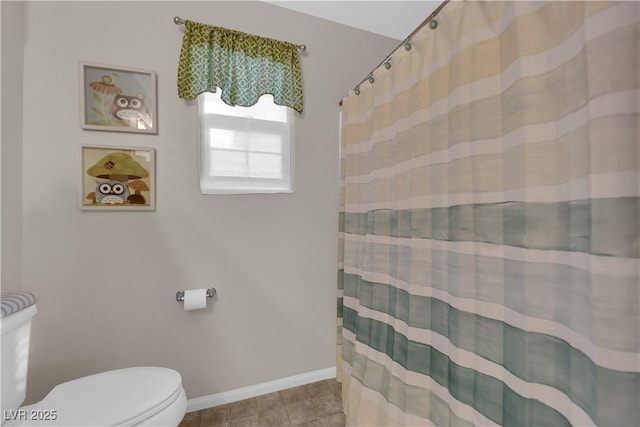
(195, 299)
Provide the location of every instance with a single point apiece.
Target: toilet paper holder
(180, 294)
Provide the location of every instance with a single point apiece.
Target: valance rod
(404, 43)
(179, 21)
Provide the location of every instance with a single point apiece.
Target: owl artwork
(112, 192)
(131, 110)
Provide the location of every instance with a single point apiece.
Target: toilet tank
(17, 311)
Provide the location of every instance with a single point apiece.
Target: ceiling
(395, 19)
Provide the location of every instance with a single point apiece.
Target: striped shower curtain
(489, 249)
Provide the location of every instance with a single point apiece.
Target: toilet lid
(120, 397)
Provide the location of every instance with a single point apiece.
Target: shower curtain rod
(403, 43)
(179, 21)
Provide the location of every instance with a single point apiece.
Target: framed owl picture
(117, 99)
(117, 178)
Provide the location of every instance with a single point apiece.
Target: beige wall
(107, 280)
(11, 69)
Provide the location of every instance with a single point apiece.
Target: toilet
(140, 396)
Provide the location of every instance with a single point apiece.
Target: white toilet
(144, 396)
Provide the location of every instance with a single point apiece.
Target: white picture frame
(118, 99)
(116, 178)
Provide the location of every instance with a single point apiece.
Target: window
(244, 149)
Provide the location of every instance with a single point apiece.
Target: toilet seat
(121, 397)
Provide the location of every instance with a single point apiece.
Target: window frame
(219, 184)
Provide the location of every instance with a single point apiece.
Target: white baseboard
(218, 399)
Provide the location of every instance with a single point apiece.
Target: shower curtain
(489, 248)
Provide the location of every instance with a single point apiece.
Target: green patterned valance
(244, 66)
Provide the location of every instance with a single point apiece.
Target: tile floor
(312, 405)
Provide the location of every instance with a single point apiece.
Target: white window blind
(244, 149)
